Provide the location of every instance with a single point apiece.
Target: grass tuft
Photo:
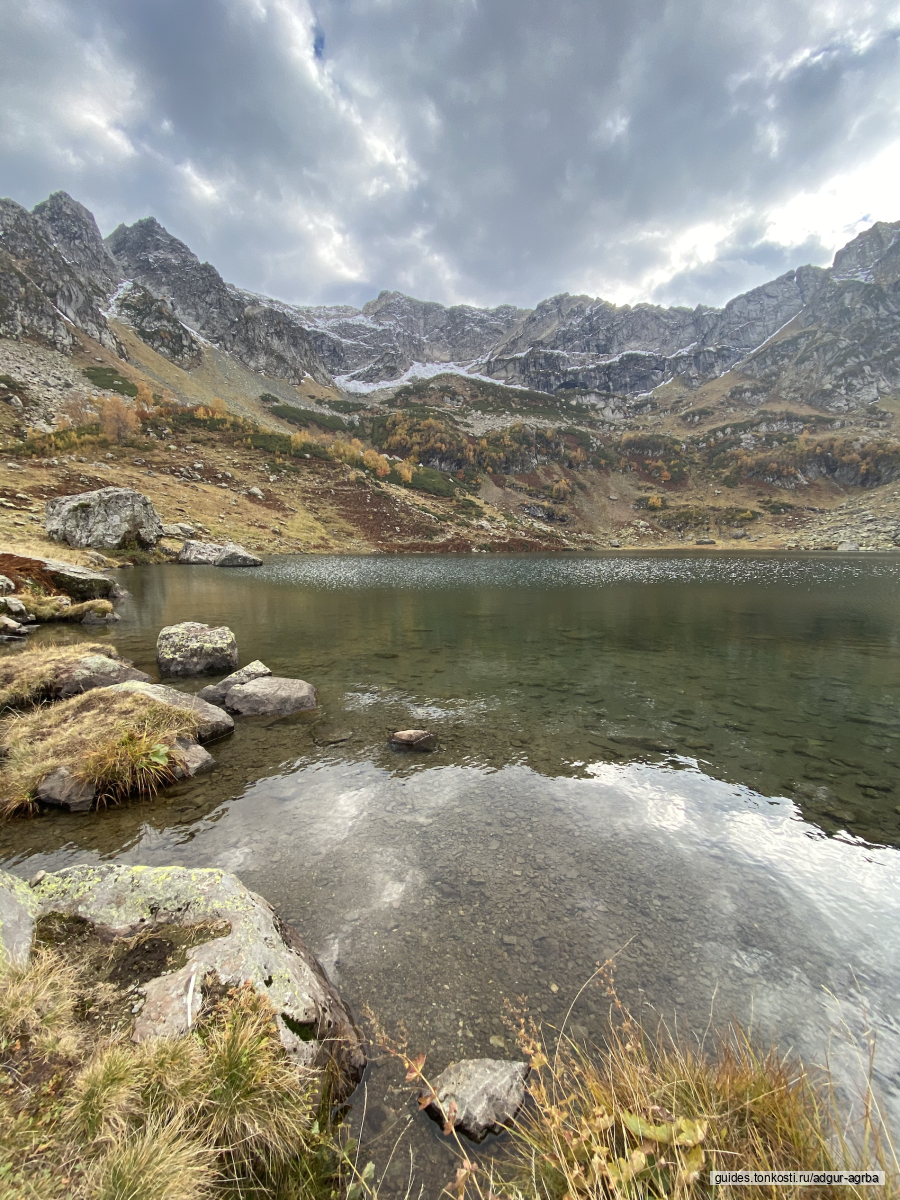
(104, 1099)
(120, 743)
(159, 1163)
(26, 677)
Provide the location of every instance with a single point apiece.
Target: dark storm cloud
(491, 151)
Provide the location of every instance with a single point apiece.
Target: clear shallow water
(689, 761)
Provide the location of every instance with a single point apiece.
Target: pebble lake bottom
(686, 761)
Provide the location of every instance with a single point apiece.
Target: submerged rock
(192, 648)
(213, 721)
(108, 518)
(215, 693)
(414, 739)
(484, 1094)
(63, 790)
(245, 944)
(93, 671)
(272, 696)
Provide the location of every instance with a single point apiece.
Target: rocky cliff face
(823, 337)
(40, 290)
(260, 335)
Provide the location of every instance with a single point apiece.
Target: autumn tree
(77, 410)
(117, 421)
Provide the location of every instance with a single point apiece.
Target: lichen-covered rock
(93, 671)
(482, 1095)
(63, 790)
(121, 901)
(109, 518)
(6, 585)
(178, 529)
(213, 722)
(192, 648)
(215, 693)
(18, 906)
(272, 696)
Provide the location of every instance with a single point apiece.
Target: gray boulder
(96, 618)
(78, 582)
(215, 693)
(93, 671)
(192, 648)
(11, 628)
(14, 608)
(211, 554)
(178, 529)
(109, 518)
(274, 696)
(234, 555)
(6, 585)
(482, 1095)
(199, 554)
(213, 722)
(848, 547)
(252, 947)
(62, 790)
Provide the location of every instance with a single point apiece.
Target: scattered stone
(63, 790)
(616, 545)
(255, 492)
(109, 518)
(6, 585)
(613, 496)
(258, 949)
(272, 696)
(192, 648)
(178, 529)
(848, 547)
(93, 671)
(487, 1094)
(191, 759)
(213, 721)
(414, 739)
(704, 542)
(215, 693)
(14, 607)
(11, 628)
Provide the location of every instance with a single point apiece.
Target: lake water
(687, 761)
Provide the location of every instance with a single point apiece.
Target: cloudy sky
(480, 151)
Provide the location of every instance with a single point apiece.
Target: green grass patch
(109, 379)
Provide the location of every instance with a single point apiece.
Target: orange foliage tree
(117, 421)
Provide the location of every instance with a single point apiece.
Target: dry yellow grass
(25, 677)
(119, 742)
(218, 1111)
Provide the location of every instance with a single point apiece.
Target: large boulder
(192, 648)
(213, 722)
(480, 1094)
(211, 554)
(93, 671)
(245, 944)
(273, 696)
(110, 518)
(215, 693)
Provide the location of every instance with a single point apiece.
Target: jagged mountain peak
(72, 229)
(857, 259)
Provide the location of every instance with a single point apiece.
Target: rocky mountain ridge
(825, 337)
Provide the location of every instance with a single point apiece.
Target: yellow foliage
(118, 422)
